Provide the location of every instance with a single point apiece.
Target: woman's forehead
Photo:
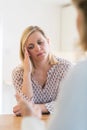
(35, 36)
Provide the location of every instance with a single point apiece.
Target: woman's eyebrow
(30, 44)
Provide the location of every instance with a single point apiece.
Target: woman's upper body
(46, 94)
(41, 71)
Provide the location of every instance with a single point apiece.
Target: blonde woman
(39, 77)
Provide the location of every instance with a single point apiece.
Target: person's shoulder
(17, 70)
(78, 71)
(63, 61)
(81, 66)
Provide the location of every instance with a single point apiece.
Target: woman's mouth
(40, 54)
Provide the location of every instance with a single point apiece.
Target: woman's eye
(40, 42)
(30, 47)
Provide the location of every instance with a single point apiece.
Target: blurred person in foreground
(71, 107)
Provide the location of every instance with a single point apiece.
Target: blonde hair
(27, 32)
(82, 6)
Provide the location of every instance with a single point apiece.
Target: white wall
(19, 14)
(68, 28)
(68, 33)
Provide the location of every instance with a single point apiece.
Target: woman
(72, 101)
(38, 79)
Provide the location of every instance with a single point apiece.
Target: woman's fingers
(26, 53)
(18, 113)
(22, 108)
(17, 110)
(27, 62)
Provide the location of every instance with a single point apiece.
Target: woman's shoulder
(62, 61)
(18, 70)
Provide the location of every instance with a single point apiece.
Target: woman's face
(37, 46)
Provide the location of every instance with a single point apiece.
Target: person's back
(71, 106)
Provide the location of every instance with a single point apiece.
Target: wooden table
(12, 122)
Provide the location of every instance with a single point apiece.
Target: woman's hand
(27, 62)
(22, 109)
(26, 109)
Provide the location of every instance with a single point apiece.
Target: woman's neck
(42, 65)
(39, 65)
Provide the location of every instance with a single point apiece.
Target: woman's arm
(28, 108)
(24, 108)
(27, 86)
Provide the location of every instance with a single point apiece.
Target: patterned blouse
(49, 93)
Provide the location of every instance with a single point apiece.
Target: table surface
(12, 122)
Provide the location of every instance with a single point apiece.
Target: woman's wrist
(25, 97)
(28, 92)
(27, 74)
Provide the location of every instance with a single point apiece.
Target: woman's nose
(37, 47)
